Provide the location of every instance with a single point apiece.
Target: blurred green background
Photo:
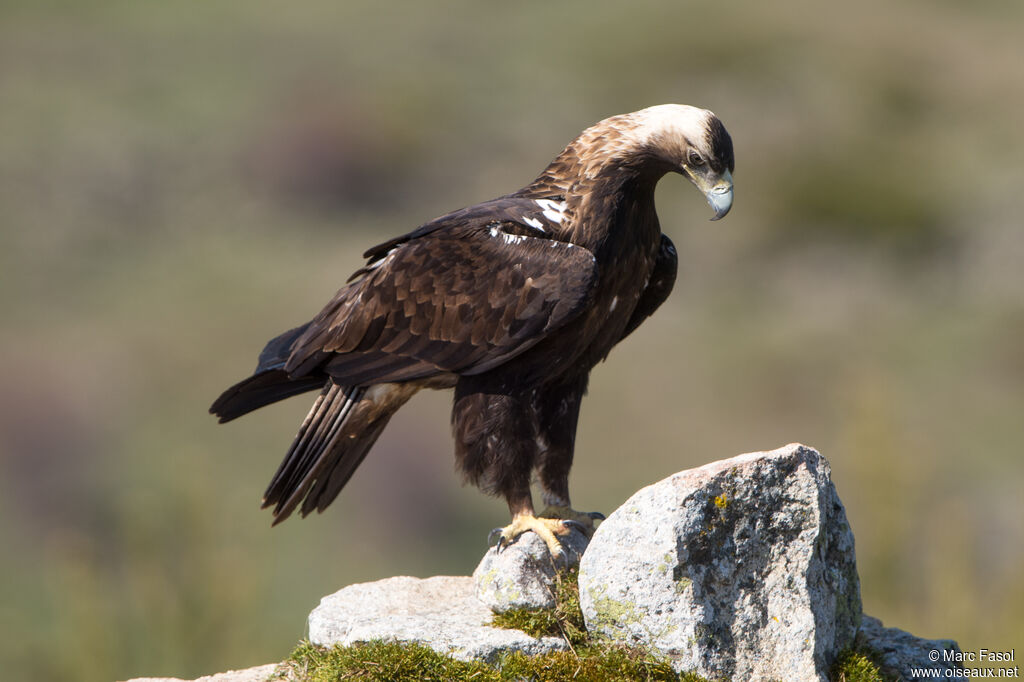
(181, 181)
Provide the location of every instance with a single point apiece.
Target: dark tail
(261, 389)
(269, 383)
(341, 427)
(332, 442)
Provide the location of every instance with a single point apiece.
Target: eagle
(511, 303)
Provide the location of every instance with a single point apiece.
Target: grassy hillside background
(181, 181)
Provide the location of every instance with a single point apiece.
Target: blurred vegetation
(181, 181)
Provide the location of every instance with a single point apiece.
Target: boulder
(902, 652)
(742, 569)
(442, 613)
(522, 575)
(261, 673)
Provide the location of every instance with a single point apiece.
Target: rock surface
(902, 652)
(442, 613)
(261, 673)
(522, 575)
(742, 569)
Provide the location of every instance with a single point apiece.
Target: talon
(547, 528)
(554, 521)
(494, 537)
(584, 521)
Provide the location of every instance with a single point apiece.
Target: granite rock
(902, 652)
(260, 673)
(522, 575)
(442, 613)
(742, 569)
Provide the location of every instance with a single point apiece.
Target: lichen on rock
(523, 574)
(743, 568)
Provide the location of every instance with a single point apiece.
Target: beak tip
(721, 202)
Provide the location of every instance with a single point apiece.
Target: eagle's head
(649, 143)
(687, 140)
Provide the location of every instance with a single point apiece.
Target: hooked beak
(718, 191)
(720, 195)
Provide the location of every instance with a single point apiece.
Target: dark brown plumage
(510, 302)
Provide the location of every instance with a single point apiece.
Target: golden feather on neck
(662, 132)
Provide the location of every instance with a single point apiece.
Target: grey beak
(719, 196)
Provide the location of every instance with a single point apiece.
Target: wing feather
(461, 298)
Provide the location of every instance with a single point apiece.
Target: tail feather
(277, 351)
(334, 439)
(290, 472)
(269, 383)
(328, 487)
(313, 451)
(342, 425)
(312, 448)
(319, 427)
(261, 389)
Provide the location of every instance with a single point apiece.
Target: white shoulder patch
(534, 223)
(496, 231)
(553, 210)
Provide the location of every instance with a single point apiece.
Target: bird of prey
(511, 303)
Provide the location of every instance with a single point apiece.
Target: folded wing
(460, 300)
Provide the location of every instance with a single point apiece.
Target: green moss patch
(384, 661)
(401, 662)
(565, 620)
(398, 662)
(859, 664)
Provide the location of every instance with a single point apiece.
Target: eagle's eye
(694, 159)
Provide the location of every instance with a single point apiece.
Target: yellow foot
(582, 520)
(549, 524)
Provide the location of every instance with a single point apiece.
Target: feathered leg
(558, 410)
(494, 447)
(497, 448)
